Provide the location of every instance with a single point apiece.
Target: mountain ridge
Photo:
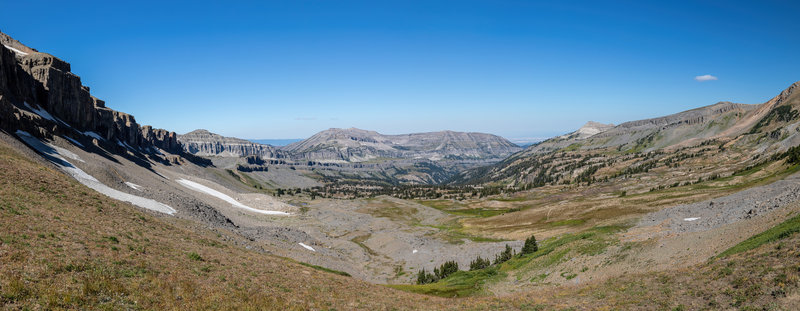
(626, 134)
(438, 145)
(202, 142)
(770, 127)
(337, 144)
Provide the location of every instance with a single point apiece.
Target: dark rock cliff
(39, 94)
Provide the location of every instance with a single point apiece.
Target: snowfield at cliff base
(201, 188)
(56, 156)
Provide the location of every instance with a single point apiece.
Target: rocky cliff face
(40, 94)
(356, 145)
(205, 143)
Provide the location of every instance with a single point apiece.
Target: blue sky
(287, 69)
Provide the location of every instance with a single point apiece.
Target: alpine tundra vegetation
(399, 199)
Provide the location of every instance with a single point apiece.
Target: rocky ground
(381, 240)
(710, 214)
(386, 240)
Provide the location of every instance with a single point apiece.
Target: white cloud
(705, 78)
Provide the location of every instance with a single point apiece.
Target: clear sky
(287, 69)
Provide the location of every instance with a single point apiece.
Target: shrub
(195, 256)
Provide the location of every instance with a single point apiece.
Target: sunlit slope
(742, 135)
(62, 245)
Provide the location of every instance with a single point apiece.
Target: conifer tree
(530, 246)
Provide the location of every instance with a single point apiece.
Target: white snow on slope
(134, 186)
(93, 135)
(15, 50)
(691, 219)
(45, 115)
(74, 142)
(67, 153)
(125, 145)
(41, 112)
(307, 247)
(52, 153)
(201, 188)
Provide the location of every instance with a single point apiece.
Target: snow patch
(93, 135)
(691, 219)
(54, 155)
(414, 251)
(67, 153)
(44, 114)
(15, 50)
(134, 186)
(74, 142)
(125, 145)
(201, 188)
(60, 151)
(307, 247)
(41, 112)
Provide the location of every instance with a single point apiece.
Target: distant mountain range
(419, 157)
(356, 145)
(40, 95)
(212, 217)
(276, 142)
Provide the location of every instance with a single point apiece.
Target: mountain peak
(204, 143)
(198, 131)
(592, 128)
(15, 46)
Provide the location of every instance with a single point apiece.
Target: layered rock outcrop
(40, 94)
(204, 143)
